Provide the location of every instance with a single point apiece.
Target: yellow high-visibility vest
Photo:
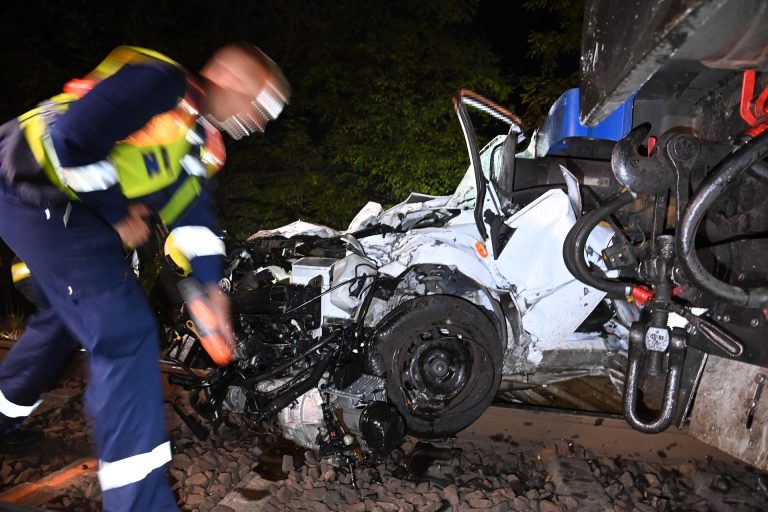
(146, 161)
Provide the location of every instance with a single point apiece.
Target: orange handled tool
(206, 323)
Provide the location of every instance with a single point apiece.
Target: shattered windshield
(490, 159)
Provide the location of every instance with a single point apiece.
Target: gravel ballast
(490, 475)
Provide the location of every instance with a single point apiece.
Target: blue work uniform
(65, 180)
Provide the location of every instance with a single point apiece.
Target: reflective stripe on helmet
(13, 410)
(271, 101)
(194, 241)
(132, 469)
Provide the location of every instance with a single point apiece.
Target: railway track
(519, 457)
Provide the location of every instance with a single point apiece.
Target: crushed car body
(624, 238)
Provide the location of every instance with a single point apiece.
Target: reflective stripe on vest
(33, 127)
(86, 178)
(13, 410)
(181, 198)
(139, 169)
(123, 55)
(89, 178)
(146, 169)
(132, 469)
(194, 241)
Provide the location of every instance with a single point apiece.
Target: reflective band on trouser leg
(194, 241)
(132, 469)
(13, 410)
(108, 313)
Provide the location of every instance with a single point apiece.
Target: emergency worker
(79, 175)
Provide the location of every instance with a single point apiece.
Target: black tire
(443, 359)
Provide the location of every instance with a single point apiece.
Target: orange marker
(482, 251)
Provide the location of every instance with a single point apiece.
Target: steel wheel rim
(435, 369)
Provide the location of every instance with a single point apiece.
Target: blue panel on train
(562, 123)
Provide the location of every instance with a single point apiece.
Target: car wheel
(443, 359)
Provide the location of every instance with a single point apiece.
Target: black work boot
(15, 438)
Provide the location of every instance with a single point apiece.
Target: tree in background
(370, 117)
(556, 51)
(371, 114)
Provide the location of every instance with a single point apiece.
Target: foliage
(370, 116)
(557, 52)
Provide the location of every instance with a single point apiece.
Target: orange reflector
(481, 249)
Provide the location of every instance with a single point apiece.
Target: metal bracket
(359, 390)
(669, 165)
(640, 173)
(760, 380)
(682, 150)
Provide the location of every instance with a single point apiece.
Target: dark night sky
(506, 24)
(44, 43)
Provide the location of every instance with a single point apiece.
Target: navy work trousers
(89, 295)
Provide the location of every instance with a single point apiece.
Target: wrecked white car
(627, 240)
(408, 320)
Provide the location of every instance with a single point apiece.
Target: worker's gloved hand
(133, 229)
(220, 304)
